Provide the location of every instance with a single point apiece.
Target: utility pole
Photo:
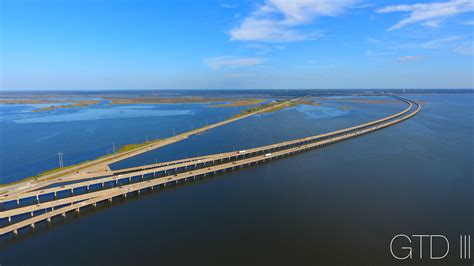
(61, 161)
(146, 138)
(113, 146)
(174, 133)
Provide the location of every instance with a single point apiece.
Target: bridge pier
(9, 219)
(37, 199)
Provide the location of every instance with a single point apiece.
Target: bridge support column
(9, 219)
(37, 199)
(31, 214)
(15, 232)
(17, 201)
(63, 214)
(55, 195)
(142, 177)
(48, 220)
(87, 188)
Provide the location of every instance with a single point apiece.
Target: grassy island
(79, 104)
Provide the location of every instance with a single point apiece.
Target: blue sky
(228, 44)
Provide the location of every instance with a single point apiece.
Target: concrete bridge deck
(92, 198)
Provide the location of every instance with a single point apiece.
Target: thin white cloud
(429, 14)
(408, 58)
(263, 48)
(441, 42)
(465, 49)
(232, 62)
(278, 20)
(469, 22)
(372, 53)
(432, 23)
(228, 5)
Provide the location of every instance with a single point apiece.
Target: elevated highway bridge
(33, 206)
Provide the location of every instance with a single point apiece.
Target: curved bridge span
(32, 207)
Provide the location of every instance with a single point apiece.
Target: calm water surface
(341, 204)
(31, 141)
